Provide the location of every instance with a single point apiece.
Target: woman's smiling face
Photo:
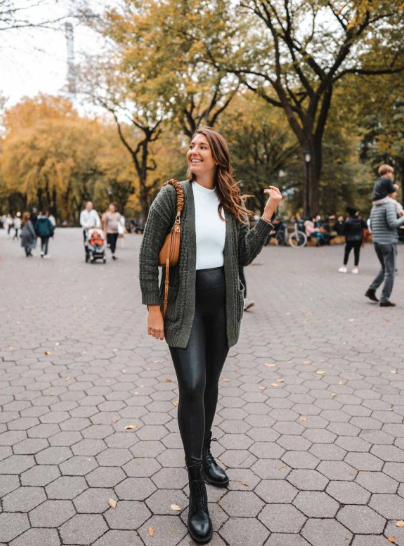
(199, 156)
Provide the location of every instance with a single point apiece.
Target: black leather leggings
(199, 365)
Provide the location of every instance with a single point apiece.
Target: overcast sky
(33, 61)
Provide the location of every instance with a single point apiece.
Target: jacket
(242, 245)
(384, 224)
(353, 229)
(44, 227)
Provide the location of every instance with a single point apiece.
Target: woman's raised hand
(155, 322)
(275, 197)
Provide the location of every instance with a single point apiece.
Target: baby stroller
(96, 245)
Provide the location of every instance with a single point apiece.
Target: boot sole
(224, 484)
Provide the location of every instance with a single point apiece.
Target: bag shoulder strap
(180, 196)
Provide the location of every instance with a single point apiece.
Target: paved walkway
(309, 423)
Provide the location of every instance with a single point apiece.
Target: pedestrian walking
(112, 223)
(205, 298)
(51, 218)
(9, 224)
(17, 225)
(384, 224)
(28, 235)
(89, 219)
(353, 230)
(44, 229)
(34, 216)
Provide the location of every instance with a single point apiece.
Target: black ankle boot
(214, 475)
(199, 523)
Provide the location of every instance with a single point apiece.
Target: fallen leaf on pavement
(224, 380)
(131, 427)
(151, 531)
(320, 372)
(175, 507)
(47, 353)
(274, 385)
(270, 365)
(302, 418)
(112, 503)
(175, 402)
(261, 388)
(306, 362)
(400, 523)
(393, 371)
(392, 539)
(168, 380)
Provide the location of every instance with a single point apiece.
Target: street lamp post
(307, 159)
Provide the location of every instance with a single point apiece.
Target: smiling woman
(205, 304)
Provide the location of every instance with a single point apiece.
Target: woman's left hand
(275, 197)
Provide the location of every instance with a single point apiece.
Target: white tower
(71, 68)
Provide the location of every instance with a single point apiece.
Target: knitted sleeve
(159, 222)
(251, 241)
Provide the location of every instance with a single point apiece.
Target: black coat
(353, 229)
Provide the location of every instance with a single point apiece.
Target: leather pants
(199, 365)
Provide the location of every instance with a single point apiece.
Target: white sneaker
(41, 254)
(355, 270)
(343, 269)
(248, 304)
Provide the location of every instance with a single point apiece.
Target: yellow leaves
(47, 353)
(175, 402)
(400, 523)
(112, 503)
(320, 372)
(131, 427)
(175, 507)
(392, 540)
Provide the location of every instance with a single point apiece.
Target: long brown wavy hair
(228, 191)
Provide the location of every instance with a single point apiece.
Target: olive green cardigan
(242, 245)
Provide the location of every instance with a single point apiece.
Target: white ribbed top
(209, 227)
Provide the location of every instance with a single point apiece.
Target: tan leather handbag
(170, 251)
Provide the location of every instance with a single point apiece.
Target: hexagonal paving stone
(89, 447)
(326, 531)
(348, 492)
(168, 531)
(367, 540)
(377, 482)
(271, 469)
(171, 478)
(35, 537)
(94, 500)
(364, 461)
(135, 489)
(83, 529)
(53, 455)
(160, 502)
(127, 515)
(16, 464)
(241, 479)
(244, 532)
(276, 491)
(337, 470)
(282, 518)
(389, 506)
(52, 513)
(316, 505)
(114, 457)
(40, 475)
(66, 487)
(8, 484)
(78, 466)
(105, 476)
(241, 504)
(309, 480)
(141, 467)
(299, 459)
(119, 538)
(12, 525)
(23, 499)
(361, 519)
(284, 539)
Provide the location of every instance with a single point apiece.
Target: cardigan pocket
(240, 300)
(172, 313)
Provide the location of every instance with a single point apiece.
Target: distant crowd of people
(29, 228)
(99, 233)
